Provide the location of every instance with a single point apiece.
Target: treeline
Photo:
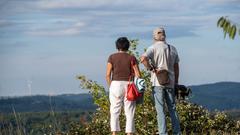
(41, 103)
(221, 96)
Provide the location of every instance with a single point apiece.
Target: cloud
(171, 31)
(54, 4)
(110, 17)
(4, 23)
(224, 1)
(123, 5)
(167, 6)
(65, 32)
(69, 31)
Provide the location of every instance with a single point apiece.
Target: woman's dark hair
(122, 44)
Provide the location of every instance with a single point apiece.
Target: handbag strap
(132, 71)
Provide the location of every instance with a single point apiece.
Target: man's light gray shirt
(158, 54)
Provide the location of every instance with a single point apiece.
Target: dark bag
(163, 77)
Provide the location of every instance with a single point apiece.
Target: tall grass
(55, 123)
(50, 122)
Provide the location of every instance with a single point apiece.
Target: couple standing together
(119, 69)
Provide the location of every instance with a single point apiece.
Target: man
(161, 56)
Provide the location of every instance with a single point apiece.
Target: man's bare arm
(176, 72)
(145, 62)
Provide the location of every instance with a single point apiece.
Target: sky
(45, 44)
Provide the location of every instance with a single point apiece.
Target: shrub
(194, 118)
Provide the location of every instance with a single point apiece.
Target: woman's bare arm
(136, 70)
(108, 73)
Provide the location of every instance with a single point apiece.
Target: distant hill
(41, 103)
(220, 96)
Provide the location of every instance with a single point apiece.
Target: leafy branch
(229, 28)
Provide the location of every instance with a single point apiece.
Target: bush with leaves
(193, 118)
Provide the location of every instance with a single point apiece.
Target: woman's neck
(120, 51)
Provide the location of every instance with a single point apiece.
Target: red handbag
(132, 92)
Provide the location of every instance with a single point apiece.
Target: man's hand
(145, 62)
(157, 71)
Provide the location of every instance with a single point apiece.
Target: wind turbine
(29, 84)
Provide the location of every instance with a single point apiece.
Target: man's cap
(157, 30)
(159, 34)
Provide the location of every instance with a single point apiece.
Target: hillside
(220, 96)
(41, 103)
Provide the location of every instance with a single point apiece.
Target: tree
(229, 28)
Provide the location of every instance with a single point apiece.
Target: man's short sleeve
(149, 53)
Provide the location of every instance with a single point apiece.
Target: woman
(119, 69)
